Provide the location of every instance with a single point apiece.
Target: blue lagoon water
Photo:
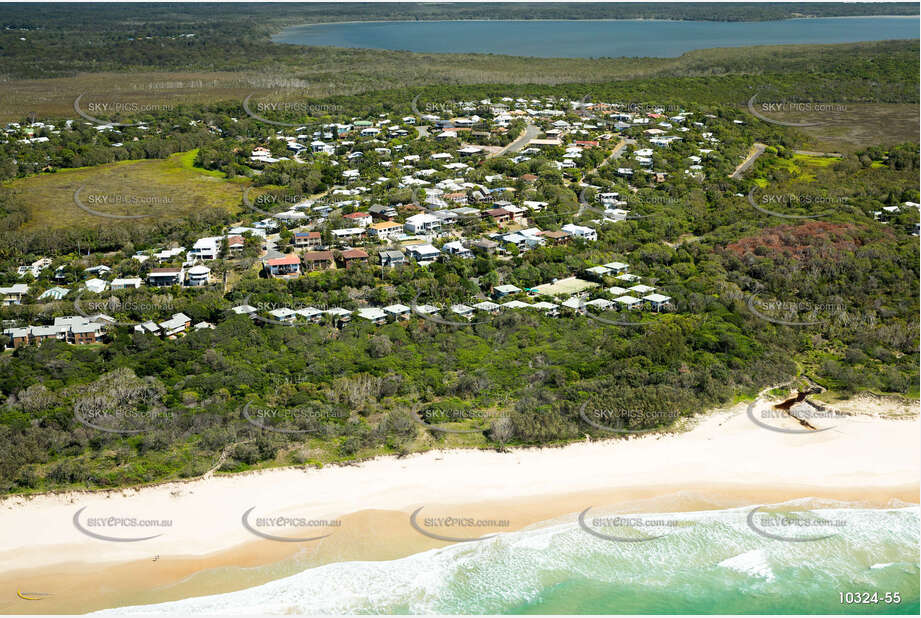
(592, 39)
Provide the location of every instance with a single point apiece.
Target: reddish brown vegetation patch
(813, 238)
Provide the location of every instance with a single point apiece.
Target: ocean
(594, 39)
(701, 563)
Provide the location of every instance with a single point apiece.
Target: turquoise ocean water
(705, 562)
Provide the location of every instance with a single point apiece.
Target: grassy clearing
(857, 126)
(158, 188)
(813, 161)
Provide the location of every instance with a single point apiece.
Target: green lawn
(165, 187)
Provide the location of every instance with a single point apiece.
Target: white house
(422, 223)
(96, 285)
(372, 314)
(455, 248)
(629, 302)
(501, 291)
(397, 311)
(423, 254)
(205, 249)
(198, 276)
(657, 301)
(122, 284)
(580, 231)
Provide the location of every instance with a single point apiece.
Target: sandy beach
(204, 541)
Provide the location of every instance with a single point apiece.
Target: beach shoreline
(207, 548)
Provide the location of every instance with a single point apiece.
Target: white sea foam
(752, 562)
(516, 569)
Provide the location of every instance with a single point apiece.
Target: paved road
(530, 132)
(758, 150)
(618, 150)
(813, 153)
(615, 154)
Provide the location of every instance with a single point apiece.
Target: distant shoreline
(708, 21)
(461, 37)
(638, 19)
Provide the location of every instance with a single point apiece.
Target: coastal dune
(209, 535)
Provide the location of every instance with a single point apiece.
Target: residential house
(641, 289)
(392, 258)
(204, 249)
(235, 244)
(97, 271)
(549, 309)
(463, 310)
(422, 223)
(629, 302)
(446, 217)
(557, 237)
(426, 309)
(658, 301)
(397, 311)
(96, 286)
(488, 307)
(349, 234)
(317, 260)
(501, 291)
(485, 245)
(500, 216)
(385, 230)
(244, 310)
(457, 249)
(360, 219)
(574, 303)
(424, 254)
(285, 267)
(124, 284)
(55, 293)
(372, 314)
(198, 276)
(598, 271)
(89, 332)
(458, 197)
(71, 329)
(516, 213)
(148, 328)
(283, 314)
(307, 240)
(617, 267)
(176, 325)
(580, 231)
(311, 314)
(599, 303)
(165, 277)
(382, 212)
(350, 257)
(340, 315)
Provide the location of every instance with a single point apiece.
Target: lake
(593, 39)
